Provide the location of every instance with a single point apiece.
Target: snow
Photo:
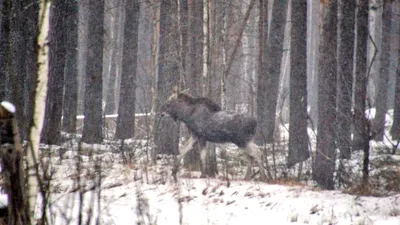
(8, 106)
(129, 195)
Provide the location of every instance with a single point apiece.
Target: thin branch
(239, 38)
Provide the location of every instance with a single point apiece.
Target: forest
(84, 86)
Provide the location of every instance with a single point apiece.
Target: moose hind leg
(254, 153)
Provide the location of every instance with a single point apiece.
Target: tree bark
(346, 18)
(383, 79)
(324, 165)
(166, 133)
(127, 100)
(361, 77)
(395, 130)
(93, 122)
(298, 136)
(267, 97)
(71, 69)
(54, 102)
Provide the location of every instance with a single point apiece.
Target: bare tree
(267, 97)
(346, 25)
(298, 137)
(70, 103)
(93, 125)
(324, 165)
(54, 102)
(126, 111)
(381, 99)
(166, 132)
(395, 131)
(360, 81)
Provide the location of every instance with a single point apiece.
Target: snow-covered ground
(137, 193)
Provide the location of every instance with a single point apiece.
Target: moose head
(177, 100)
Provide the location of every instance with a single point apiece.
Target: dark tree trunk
(267, 97)
(261, 77)
(54, 101)
(127, 99)
(166, 135)
(111, 97)
(93, 122)
(324, 165)
(346, 18)
(83, 24)
(31, 30)
(360, 86)
(298, 137)
(5, 87)
(71, 69)
(395, 131)
(17, 68)
(383, 79)
(194, 65)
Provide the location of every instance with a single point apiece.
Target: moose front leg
(182, 152)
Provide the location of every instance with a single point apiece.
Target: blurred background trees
(273, 59)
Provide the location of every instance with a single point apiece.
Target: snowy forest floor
(139, 193)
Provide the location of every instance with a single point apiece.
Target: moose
(207, 122)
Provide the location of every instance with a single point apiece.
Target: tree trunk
(383, 79)
(39, 104)
(324, 165)
(115, 61)
(54, 102)
(71, 69)
(17, 67)
(166, 133)
(12, 165)
(267, 97)
(30, 30)
(346, 17)
(93, 122)
(395, 131)
(194, 65)
(361, 76)
(83, 40)
(126, 111)
(298, 136)
(5, 87)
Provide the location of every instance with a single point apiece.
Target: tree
(360, 81)
(17, 64)
(298, 137)
(54, 102)
(267, 97)
(362, 128)
(39, 103)
(71, 69)
(383, 80)
(346, 25)
(395, 131)
(116, 52)
(194, 65)
(5, 87)
(93, 123)
(126, 111)
(166, 133)
(324, 165)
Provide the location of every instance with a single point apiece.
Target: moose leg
(203, 155)
(182, 152)
(253, 152)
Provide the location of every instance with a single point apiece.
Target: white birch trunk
(39, 106)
